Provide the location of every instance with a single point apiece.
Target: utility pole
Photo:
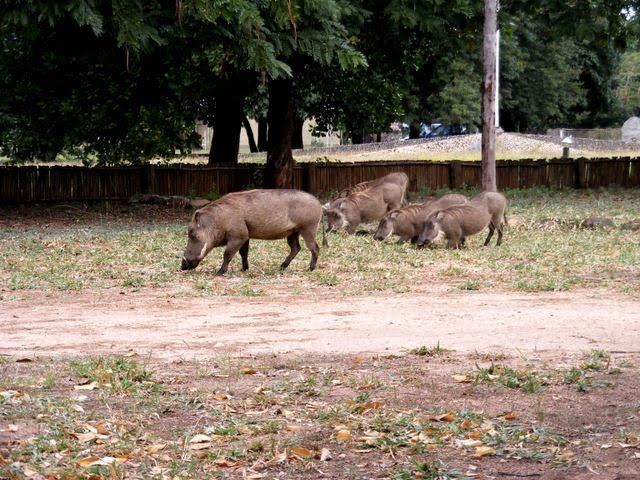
(489, 95)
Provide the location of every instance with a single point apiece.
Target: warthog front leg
(294, 245)
(232, 248)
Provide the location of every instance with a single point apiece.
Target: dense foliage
(117, 81)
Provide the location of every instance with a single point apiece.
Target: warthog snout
(188, 264)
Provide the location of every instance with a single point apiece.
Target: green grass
(543, 250)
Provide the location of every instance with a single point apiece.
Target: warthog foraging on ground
(457, 222)
(407, 222)
(358, 187)
(262, 214)
(370, 202)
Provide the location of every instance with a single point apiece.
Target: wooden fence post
(581, 173)
(455, 174)
(147, 178)
(308, 177)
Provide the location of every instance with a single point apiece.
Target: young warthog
(407, 222)
(457, 222)
(367, 204)
(262, 214)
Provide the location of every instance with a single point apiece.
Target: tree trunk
(262, 134)
(229, 112)
(279, 171)
(489, 97)
(297, 142)
(253, 148)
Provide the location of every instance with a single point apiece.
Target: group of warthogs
(238, 217)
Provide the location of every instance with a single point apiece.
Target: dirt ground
(168, 327)
(549, 331)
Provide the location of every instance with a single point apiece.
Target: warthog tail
(324, 235)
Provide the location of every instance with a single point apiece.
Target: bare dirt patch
(169, 327)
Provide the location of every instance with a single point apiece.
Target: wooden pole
(489, 97)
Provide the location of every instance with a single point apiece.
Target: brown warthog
(457, 222)
(367, 204)
(407, 222)
(262, 214)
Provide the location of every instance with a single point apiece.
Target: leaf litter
(323, 417)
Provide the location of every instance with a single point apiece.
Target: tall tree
(489, 97)
(306, 33)
(628, 84)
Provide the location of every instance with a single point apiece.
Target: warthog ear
(439, 215)
(394, 215)
(201, 219)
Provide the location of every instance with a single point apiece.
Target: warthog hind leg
(244, 253)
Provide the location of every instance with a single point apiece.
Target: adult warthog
(407, 222)
(457, 222)
(367, 203)
(261, 214)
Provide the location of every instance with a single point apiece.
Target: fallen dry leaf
(461, 378)
(325, 455)
(200, 442)
(248, 371)
(370, 437)
(368, 386)
(155, 448)
(565, 455)
(445, 417)
(484, 451)
(467, 443)
(344, 435)
(93, 461)
(302, 452)
(199, 438)
(224, 462)
(363, 408)
(221, 396)
(467, 424)
(29, 471)
(101, 428)
(89, 436)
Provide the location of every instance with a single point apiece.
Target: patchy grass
(544, 250)
(281, 416)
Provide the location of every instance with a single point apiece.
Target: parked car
(441, 130)
(430, 130)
